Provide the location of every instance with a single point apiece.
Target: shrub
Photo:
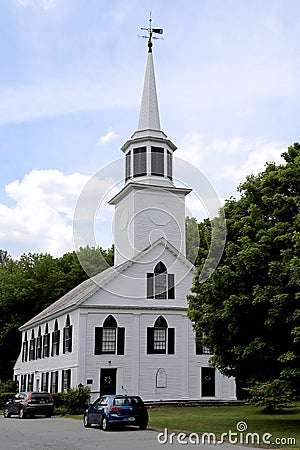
(273, 396)
(8, 386)
(4, 397)
(75, 400)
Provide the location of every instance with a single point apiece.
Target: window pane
(160, 340)
(109, 340)
(161, 285)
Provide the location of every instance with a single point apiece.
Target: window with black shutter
(39, 345)
(55, 340)
(109, 339)
(67, 336)
(160, 338)
(32, 347)
(160, 284)
(25, 348)
(46, 342)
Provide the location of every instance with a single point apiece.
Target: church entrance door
(108, 379)
(208, 382)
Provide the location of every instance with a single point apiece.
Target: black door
(208, 382)
(108, 379)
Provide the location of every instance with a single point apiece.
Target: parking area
(58, 433)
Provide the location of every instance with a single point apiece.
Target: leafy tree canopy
(32, 283)
(248, 312)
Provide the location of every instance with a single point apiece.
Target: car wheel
(105, 424)
(86, 422)
(143, 426)
(6, 413)
(22, 414)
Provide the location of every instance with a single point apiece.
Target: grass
(218, 420)
(221, 419)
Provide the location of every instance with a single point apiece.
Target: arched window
(67, 336)
(160, 284)
(46, 342)
(55, 340)
(32, 347)
(109, 339)
(25, 348)
(39, 344)
(161, 338)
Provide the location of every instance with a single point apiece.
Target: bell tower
(149, 206)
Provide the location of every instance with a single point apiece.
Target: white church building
(126, 329)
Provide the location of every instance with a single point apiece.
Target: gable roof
(89, 287)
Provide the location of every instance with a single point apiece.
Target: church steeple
(149, 112)
(149, 152)
(149, 206)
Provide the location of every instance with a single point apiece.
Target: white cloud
(41, 218)
(226, 163)
(107, 138)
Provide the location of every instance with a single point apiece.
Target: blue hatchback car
(119, 410)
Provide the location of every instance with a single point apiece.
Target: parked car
(29, 404)
(121, 410)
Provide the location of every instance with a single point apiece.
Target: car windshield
(127, 401)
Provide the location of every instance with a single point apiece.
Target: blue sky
(71, 78)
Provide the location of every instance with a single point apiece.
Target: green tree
(248, 311)
(32, 283)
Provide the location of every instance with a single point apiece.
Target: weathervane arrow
(150, 36)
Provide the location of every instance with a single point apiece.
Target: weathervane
(150, 36)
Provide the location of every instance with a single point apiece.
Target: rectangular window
(66, 379)
(45, 381)
(157, 161)
(30, 382)
(54, 382)
(23, 383)
(39, 347)
(139, 161)
(127, 165)
(160, 285)
(109, 340)
(55, 342)
(31, 349)
(25, 351)
(159, 340)
(67, 339)
(46, 345)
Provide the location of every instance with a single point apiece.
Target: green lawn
(221, 419)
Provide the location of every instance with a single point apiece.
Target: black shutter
(98, 340)
(171, 341)
(52, 349)
(58, 342)
(64, 340)
(171, 286)
(70, 338)
(150, 290)
(150, 341)
(121, 341)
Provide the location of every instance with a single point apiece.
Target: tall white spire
(149, 112)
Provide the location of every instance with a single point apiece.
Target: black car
(120, 410)
(29, 404)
